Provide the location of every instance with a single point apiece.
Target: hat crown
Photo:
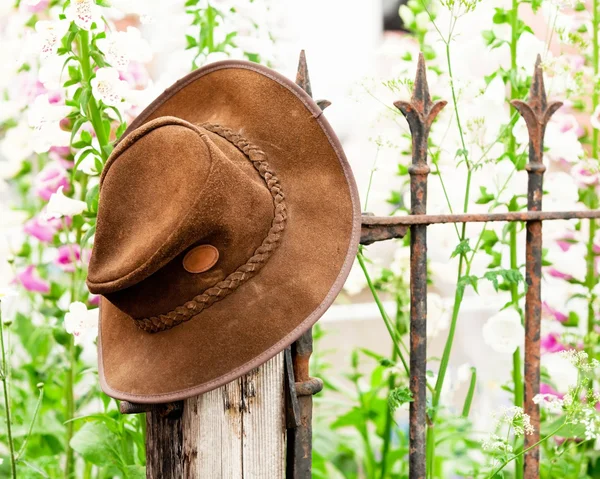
(177, 186)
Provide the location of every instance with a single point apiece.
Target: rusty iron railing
(420, 113)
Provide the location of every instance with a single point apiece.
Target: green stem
(23, 447)
(13, 463)
(386, 319)
(470, 392)
(70, 408)
(94, 114)
(389, 417)
(363, 430)
(514, 288)
(430, 444)
(520, 454)
(591, 257)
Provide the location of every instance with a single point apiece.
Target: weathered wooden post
(256, 426)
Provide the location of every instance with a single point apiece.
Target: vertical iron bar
(299, 439)
(536, 113)
(420, 113)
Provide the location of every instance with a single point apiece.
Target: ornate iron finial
(420, 111)
(303, 80)
(536, 112)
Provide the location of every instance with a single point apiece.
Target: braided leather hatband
(242, 274)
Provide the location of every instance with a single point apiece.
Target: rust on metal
(536, 112)
(299, 438)
(419, 112)
(381, 228)
(171, 410)
(323, 104)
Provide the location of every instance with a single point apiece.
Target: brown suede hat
(228, 221)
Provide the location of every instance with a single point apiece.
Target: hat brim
(299, 282)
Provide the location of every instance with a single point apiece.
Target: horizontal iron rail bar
(409, 220)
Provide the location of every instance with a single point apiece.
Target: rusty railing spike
(536, 112)
(302, 78)
(323, 104)
(420, 113)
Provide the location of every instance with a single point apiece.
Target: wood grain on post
(234, 432)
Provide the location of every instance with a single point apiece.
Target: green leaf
(501, 16)
(191, 42)
(462, 249)
(74, 73)
(573, 320)
(83, 156)
(80, 121)
(134, 472)
(89, 233)
(86, 137)
(509, 276)
(91, 198)
(85, 97)
(465, 281)
(95, 442)
(399, 396)
(98, 58)
(485, 197)
(568, 430)
(120, 130)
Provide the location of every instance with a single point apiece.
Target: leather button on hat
(200, 259)
(228, 221)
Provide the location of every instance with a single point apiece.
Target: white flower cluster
(591, 420)
(516, 418)
(580, 360)
(496, 443)
(552, 403)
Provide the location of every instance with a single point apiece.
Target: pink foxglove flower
(108, 87)
(35, 6)
(549, 311)
(50, 179)
(84, 13)
(94, 299)
(68, 255)
(586, 173)
(551, 343)
(41, 229)
(546, 389)
(81, 322)
(31, 281)
(60, 205)
(503, 332)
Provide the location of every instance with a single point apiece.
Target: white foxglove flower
(60, 205)
(15, 147)
(84, 13)
(529, 48)
(8, 299)
(564, 3)
(438, 317)
(122, 47)
(52, 72)
(108, 87)
(81, 322)
(50, 33)
(44, 117)
(504, 332)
